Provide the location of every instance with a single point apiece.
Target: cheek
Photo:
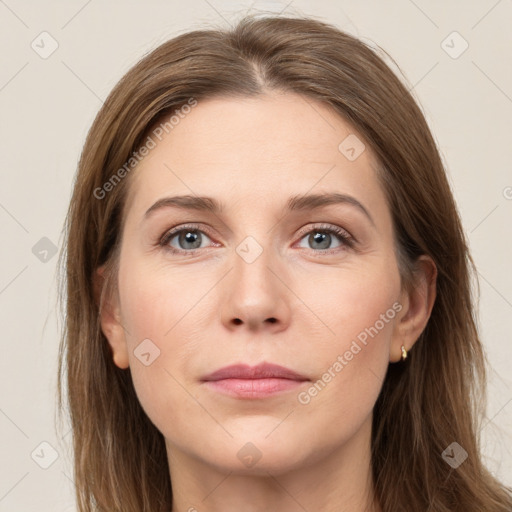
(164, 327)
(350, 303)
(156, 303)
(356, 315)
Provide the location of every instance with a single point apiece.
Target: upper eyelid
(178, 229)
(323, 226)
(199, 227)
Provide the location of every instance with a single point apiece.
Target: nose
(257, 297)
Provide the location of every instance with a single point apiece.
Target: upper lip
(261, 371)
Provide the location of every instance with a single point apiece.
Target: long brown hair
(435, 398)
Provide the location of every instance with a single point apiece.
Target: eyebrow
(294, 203)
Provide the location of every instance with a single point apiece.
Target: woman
(215, 358)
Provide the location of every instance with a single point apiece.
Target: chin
(255, 452)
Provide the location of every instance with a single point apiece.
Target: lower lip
(253, 388)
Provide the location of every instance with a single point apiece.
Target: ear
(110, 317)
(417, 304)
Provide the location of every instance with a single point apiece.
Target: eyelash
(344, 237)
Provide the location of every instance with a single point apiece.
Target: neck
(336, 479)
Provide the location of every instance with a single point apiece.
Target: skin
(210, 308)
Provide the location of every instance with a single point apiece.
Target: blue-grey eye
(187, 239)
(322, 239)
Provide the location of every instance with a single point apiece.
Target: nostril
(237, 321)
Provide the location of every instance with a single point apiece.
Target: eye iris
(191, 237)
(323, 238)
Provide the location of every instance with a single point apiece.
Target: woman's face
(264, 278)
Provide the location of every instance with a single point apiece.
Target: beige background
(48, 104)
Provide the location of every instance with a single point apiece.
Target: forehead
(255, 150)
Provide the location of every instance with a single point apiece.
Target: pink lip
(261, 371)
(243, 381)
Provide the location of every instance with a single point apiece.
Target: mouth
(254, 382)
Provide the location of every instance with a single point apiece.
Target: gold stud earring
(404, 353)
